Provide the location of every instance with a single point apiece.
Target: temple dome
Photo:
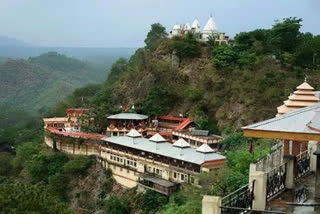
(187, 26)
(195, 24)
(176, 27)
(211, 26)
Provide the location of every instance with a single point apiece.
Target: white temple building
(209, 29)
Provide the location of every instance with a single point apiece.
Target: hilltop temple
(210, 29)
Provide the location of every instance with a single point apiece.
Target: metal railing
(276, 179)
(241, 198)
(302, 166)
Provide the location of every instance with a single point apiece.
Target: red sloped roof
(172, 118)
(77, 110)
(184, 124)
(76, 134)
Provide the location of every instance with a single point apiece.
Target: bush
(117, 205)
(78, 164)
(235, 140)
(224, 56)
(57, 185)
(40, 167)
(188, 47)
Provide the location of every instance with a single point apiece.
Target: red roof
(77, 110)
(172, 118)
(184, 124)
(55, 120)
(161, 133)
(76, 134)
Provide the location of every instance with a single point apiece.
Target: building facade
(135, 160)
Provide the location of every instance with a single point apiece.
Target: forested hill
(219, 86)
(40, 82)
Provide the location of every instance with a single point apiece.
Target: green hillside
(219, 86)
(40, 82)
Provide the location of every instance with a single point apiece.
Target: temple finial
(305, 78)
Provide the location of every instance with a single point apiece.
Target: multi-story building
(71, 123)
(121, 124)
(197, 138)
(135, 160)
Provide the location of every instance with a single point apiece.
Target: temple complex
(210, 29)
(157, 154)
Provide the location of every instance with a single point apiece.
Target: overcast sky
(125, 23)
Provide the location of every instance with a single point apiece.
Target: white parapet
(260, 189)
(211, 204)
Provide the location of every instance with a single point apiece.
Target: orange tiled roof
(55, 119)
(76, 134)
(77, 110)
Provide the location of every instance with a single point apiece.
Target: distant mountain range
(11, 42)
(14, 48)
(41, 82)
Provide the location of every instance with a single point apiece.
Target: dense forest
(221, 87)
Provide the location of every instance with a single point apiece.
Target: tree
(158, 101)
(117, 205)
(235, 140)
(153, 201)
(224, 56)
(286, 35)
(187, 47)
(155, 35)
(78, 164)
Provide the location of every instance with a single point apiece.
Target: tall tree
(154, 36)
(286, 35)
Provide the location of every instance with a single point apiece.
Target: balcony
(156, 184)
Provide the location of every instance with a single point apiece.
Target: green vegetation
(17, 198)
(220, 87)
(34, 83)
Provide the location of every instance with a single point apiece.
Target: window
(192, 180)
(175, 175)
(157, 171)
(121, 133)
(135, 164)
(128, 162)
(182, 177)
(118, 159)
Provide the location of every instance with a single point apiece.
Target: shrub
(188, 47)
(78, 164)
(117, 205)
(224, 56)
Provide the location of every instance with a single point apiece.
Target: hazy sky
(125, 23)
